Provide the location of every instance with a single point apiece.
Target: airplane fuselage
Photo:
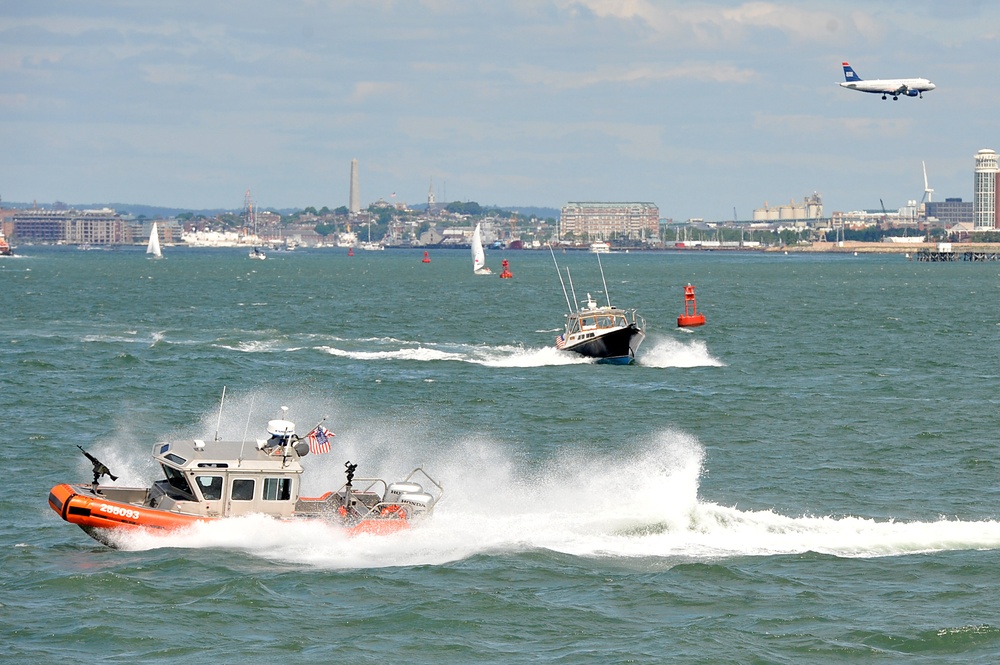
(909, 87)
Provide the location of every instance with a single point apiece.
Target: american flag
(319, 440)
(560, 342)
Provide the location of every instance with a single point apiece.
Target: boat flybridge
(210, 480)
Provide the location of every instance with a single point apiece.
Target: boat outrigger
(606, 333)
(211, 480)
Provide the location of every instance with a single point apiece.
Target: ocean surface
(812, 477)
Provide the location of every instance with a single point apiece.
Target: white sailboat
(478, 255)
(154, 243)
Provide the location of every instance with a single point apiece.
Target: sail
(154, 243)
(478, 256)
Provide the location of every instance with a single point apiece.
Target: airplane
(894, 87)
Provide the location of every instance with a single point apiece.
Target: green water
(811, 477)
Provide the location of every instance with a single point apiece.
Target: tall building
(355, 201)
(608, 221)
(984, 192)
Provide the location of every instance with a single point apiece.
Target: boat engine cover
(419, 500)
(396, 490)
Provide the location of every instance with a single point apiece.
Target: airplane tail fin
(849, 74)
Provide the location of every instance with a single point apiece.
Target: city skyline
(707, 109)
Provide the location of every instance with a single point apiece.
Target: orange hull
(90, 511)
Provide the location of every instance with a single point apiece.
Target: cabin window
(242, 490)
(277, 489)
(210, 486)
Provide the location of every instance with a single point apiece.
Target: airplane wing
(901, 90)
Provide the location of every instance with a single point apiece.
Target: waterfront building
(984, 192)
(74, 227)
(949, 212)
(610, 221)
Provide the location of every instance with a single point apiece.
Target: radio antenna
(218, 423)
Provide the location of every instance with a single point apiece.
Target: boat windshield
(177, 480)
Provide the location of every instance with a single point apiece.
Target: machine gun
(99, 468)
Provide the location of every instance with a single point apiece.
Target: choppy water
(811, 477)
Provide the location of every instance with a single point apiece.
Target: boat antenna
(219, 422)
(245, 430)
(571, 287)
(561, 282)
(286, 440)
(599, 265)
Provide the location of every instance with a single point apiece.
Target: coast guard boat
(606, 333)
(211, 480)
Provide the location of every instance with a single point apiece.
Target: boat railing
(419, 470)
(391, 509)
(367, 489)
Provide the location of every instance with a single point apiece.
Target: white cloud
(366, 90)
(651, 73)
(714, 24)
(788, 127)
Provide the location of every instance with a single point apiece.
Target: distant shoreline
(850, 247)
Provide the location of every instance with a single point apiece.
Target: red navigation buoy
(427, 257)
(350, 252)
(505, 274)
(690, 318)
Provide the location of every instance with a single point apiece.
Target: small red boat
(691, 317)
(211, 480)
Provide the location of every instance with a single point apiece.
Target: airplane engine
(911, 93)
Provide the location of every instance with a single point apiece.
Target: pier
(930, 256)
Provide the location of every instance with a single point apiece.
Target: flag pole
(317, 425)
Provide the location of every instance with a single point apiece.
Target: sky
(709, 109)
